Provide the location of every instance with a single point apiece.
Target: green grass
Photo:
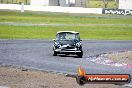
(111, 33)
(92, 25)
(39, 17)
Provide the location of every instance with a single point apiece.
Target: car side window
(77, 37)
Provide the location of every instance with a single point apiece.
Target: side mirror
(80, 40)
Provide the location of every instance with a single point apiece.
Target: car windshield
(67, 36)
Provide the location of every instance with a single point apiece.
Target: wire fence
(26, 2)
(87, 3)
(102, 3)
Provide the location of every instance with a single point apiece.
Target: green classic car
(67, 42)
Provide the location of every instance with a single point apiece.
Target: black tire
(80, 55)
(55, 53)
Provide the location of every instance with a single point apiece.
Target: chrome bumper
(68, 51)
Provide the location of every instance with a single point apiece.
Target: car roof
(68, 32)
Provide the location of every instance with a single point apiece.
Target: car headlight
(57, 44)
(78, 44)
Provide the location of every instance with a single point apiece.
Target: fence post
(22, 7)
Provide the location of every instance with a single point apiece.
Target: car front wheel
(80, 55)
(55, 53)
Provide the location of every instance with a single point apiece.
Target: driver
(62, 36)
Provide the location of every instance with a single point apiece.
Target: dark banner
(83, 78)
(104, 79)
(117, 11)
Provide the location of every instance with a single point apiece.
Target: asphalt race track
(38, 54)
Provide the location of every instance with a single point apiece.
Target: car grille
(68, 48)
